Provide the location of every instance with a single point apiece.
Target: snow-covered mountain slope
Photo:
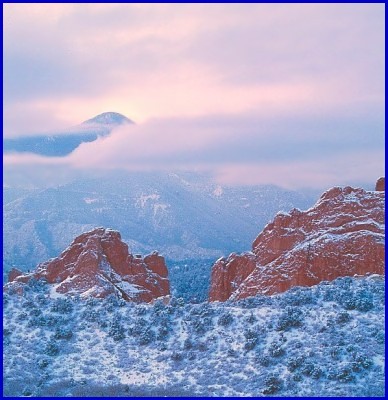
(98, 264)
(343, 234)
(58, 144)
(184, 216)
(326, 340)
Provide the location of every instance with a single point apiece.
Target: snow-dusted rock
(228, 274)
(343, 234)
(13, 274)
(97, 263)
(380, 184)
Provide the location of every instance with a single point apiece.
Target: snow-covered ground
(327, 340)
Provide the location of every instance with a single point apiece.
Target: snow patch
(218, 191)
(143, 199)
(88, 200)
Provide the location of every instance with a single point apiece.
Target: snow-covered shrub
(162, 332)
(297, 377)
(201, 325)
(250, 344)
(202, 346)
(28, 304)
(63, 333)
(317, 372)
(177, 356)
(27, 392)
(177, 302)
(343, 374)
(361, 361)
(37, 320)
(90, 315)
(188, 344)
(328, 293)
(43, 363)
(22, 316)
(37, 285)
(251, 319)
(380, 337)
(232, 353)
(204, 310)
(335, 352)
(342, 317)
(364, 300)
(62, 305)
(146, 337)
(47, 320)
(295, 362)
(255, 302)
(51, 348)
(91, 302)
(35, 312)
(292, 317)
(276, 350)
(297, 296)
(138, 326)
(41, 299)
(158, 307)
(161, 346)
(112, 302)
(251, 334)
(140, 310)
(251, 339)
(262, 359)
(272, 385)
(360, 298)
(6, 298)
(225, 319)
(116, 330)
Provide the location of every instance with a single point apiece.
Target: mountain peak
(108, 118)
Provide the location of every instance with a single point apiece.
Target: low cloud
(292, 152)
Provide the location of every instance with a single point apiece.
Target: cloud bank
(292, 152)
(256, 93)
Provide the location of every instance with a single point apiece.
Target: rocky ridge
(343, 234)
(97, 264)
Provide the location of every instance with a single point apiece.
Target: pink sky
(309, 77)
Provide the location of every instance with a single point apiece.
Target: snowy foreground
(327, 340)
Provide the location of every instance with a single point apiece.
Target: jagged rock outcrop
(228, 274)
(13, 274)
(97, 264)
(380, 184)
(342, 235)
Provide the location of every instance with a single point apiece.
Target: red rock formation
(97, 264)
(342, 235)
(380, 185)
(228, 274)
(13, 274)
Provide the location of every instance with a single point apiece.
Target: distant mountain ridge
(183, 215)
(60, 144)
